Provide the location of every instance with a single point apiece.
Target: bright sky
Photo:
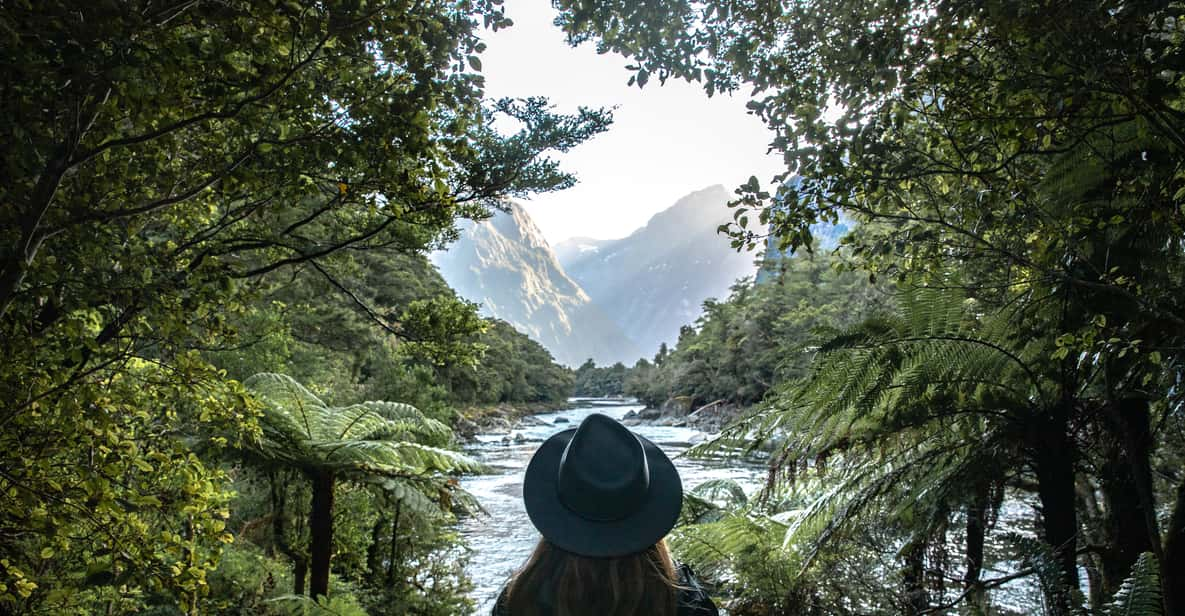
(665, 141)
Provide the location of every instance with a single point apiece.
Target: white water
(503, 539)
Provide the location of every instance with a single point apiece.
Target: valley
(609, 300)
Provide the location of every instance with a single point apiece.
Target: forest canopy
(195, 192)
(1016, 168)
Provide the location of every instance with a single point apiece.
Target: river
(502, 540)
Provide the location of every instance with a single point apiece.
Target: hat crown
(603, 474)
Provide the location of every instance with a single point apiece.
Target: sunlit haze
(665, 141)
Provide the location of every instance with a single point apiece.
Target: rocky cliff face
(611, 300)
(654, 281)
(506, 265)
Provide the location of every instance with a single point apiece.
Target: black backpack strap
(693, 599)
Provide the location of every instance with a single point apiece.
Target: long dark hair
(559, 583)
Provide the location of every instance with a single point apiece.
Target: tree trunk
(976, 530)
(393, 562)
(1136, 427)
(1093, 525)
(300, 564)
(1125, 524)
(1172, 570)
(917, 600)
(321, 534)
(373, 554)
(300, 570)
(1054, 465)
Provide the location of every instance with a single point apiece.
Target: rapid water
(502, 540)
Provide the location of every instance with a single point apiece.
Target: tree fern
(379, 443)
(898, 418)
(369, 438)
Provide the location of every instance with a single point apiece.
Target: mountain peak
(604, 299)
(505, 264)
(692, 209)
(655, 280)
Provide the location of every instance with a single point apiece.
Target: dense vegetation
(600, 382)
(1015, 168)
(384, 325)
(759, 336)
(229, 371)
(743, 345)
(197, 192)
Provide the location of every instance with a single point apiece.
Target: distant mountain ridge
(609, 300)
(507, 266)
(655, 280)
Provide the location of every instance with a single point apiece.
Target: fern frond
(383, 439)
(1139, 595)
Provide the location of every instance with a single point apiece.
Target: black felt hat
(600, 490)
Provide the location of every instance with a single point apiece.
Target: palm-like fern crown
(369, 438)
(909, 409)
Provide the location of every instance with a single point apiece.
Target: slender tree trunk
(300, 564)
(321, 534)
(1125, 520)
(277, 498)
(1093, 526)
(1136, 427)
(300, 571)
(917, 600)
(1054, 464)
(393, 563)
(1138, 445)
(373, 553)
(1172, 569)
(976, 530)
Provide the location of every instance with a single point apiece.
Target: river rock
(679, 405)
(531, 420)
(496, 424)
(560, 420)
(467, 427)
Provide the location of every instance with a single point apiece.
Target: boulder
(467, 427)
(560, 420)
(650, 414)
(679, 405)
(497, 424)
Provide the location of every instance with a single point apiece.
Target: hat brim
(653, 519)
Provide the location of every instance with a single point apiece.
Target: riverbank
(500, 418)
(677, 412)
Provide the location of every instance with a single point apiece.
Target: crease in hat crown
(603, 474)
(602, 493)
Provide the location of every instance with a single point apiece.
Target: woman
(603, 498)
